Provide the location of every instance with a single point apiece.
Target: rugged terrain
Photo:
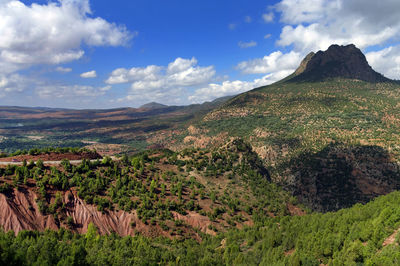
(328, 130)
(235, 186)
(157, 193)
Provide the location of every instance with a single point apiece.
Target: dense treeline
(352, 236)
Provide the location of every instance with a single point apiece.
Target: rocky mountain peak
(337, 62)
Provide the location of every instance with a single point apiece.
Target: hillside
(332, 141)
(156, 193)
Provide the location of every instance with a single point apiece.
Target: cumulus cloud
(301, 11)
(63, 69)
(247, 44)
(13, 83)
(267, 36)
(179, 73)
(52, 33)
(315, 24)
(89, 74)
(162, 82)
(214, 90)
(122, 75)
(274, 62)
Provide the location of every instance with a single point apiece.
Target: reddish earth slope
(53, 156)
(19, 211)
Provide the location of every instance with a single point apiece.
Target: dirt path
(391, 239)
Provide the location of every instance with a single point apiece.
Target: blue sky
(106, 54)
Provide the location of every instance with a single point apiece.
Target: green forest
(351, 236)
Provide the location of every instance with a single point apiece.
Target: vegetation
(352, 236)
(128, 130)
(287, 122)
(229, 186)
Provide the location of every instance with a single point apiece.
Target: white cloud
(122, 75)
(13, 83)
(213, 90)
(89, 74)
(70, 92)
(63, 69)
(248, 19)
(180, 65)
(164, 83)
(52, 33)
(274, 62)
(315, 24)
(268, 17)
(386, 61)
(179, 73)
(267, 36)
(247, 44)
(304, 11)
(232, 26)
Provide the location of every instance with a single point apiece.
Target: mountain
(327, 133)
(337, 62)
(153, 105)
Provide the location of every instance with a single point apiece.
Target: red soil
(53, 157)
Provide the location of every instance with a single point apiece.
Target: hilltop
(153, 105)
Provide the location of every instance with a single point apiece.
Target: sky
(125, 53)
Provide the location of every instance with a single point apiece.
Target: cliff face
(340, 176)
(19, 211)
(338, 61)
